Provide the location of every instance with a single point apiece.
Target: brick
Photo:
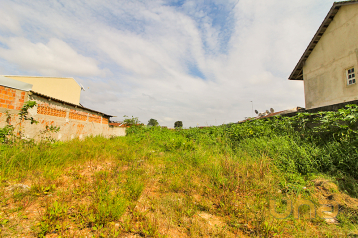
(2, 101)
(11, 107)
(23, 93)
(21, 100)
(2, 88)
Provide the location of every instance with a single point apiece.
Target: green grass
(213, 182)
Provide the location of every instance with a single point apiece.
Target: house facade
(72, 119)
(329, 64)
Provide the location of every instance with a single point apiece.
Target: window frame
(351, 73)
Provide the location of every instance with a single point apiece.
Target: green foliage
(131, 121)
(5, 132)
(155, 177)
(47, 134)
(23, 114)
(178, 124)
(153, 122)
(306, 143)
(108, 205)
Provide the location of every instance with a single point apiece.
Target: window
(351, 76)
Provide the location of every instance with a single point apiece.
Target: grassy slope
(161, 183)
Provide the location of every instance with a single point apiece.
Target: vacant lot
(213, 182)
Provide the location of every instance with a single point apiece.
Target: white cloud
(148, 48)
(9, 20)
(56, 58)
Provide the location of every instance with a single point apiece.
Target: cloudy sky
(198, 61)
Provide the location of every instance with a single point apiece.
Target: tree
(153, 122)
(178, 124)
(130, 121)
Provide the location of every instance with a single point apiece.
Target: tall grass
(155, 180)
(306, 143)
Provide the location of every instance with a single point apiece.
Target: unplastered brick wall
(94, 118)
(59, 110)
(50, 111)
(73, 121)
(11, 98)
(81, 116)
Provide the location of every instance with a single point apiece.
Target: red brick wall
(94, 118)
(81, 116)
(104, 120)
(47, 110)
(11, 98)
(51, 110)
(74, 121)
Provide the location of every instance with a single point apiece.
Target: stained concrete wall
(74, 122)
(65, 89)
(325, 70)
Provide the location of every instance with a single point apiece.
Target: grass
(214, 182)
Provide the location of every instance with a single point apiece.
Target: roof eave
(297, 73)
(68, 103)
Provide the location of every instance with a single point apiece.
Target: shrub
(130, 121)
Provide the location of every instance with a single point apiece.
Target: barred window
(351, 76)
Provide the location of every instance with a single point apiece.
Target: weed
(215, 181)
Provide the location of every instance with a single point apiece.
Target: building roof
(297, 73)
(12, 83)
(68, 103)
(284, 112)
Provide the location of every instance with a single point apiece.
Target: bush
(130, 121)
(306, 143)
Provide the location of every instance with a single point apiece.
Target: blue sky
(200, 62)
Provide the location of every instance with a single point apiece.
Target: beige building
(65, 89)
(329, 64)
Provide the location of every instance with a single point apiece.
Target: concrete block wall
(74, 121)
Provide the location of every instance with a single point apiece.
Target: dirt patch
(331, 200)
